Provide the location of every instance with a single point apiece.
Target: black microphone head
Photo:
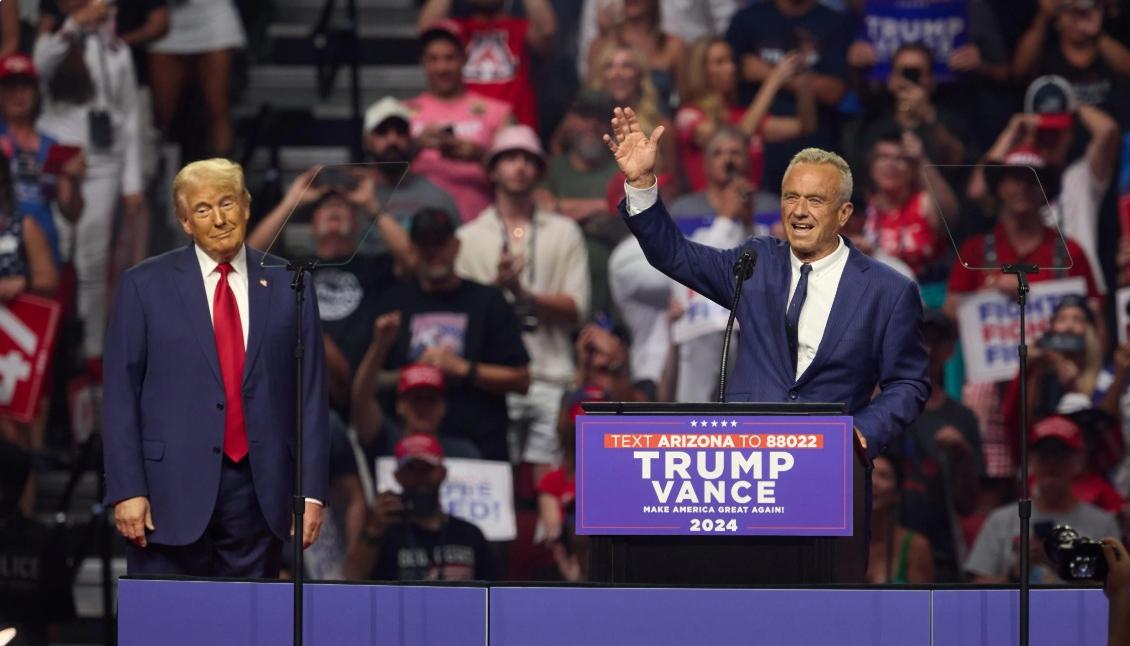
(743, 268)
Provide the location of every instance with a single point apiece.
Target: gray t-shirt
(995, 551)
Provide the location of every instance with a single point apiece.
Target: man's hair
(819, 156)
(431, 227)
(921, 48)
(216, 172)
(726, 133)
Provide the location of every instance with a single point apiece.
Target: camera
(101, 129)
(526, 316)
(912, 74)
(1076, 558)
(336, 178)
(1062, 342)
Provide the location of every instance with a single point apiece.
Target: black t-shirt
(131, 14)
(348, 297)
(35, 589)
(1097, 84)
(411, 553)
(763, 31)
(925, 494)
(479, 325)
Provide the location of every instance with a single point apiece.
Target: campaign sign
(27, 340)
(938, 24)
(989, 321)
(480, 492)
(723, 475)
(701, 316)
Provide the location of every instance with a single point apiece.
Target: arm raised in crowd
(543, 25)
(365, 411)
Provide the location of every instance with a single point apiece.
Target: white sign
(989, 321)
(701, 316)
(1122, 302)
(478, 491)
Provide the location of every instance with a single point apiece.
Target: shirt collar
(820, 266)
(208, 265)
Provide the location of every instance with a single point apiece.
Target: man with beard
(465, 329)
(388, 142)
(577, 179)
(407, 536)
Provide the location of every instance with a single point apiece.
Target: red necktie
(229, 348)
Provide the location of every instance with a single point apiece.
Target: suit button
(216, 450)
(219, 406)
(793, 395)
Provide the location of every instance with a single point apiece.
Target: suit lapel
(190, 285)
(854, 283)
(258, 305)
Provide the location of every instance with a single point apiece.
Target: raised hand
(635, 152)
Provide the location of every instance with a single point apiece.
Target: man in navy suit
(821, 322)
(199, 396)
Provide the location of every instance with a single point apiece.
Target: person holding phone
(44, 172)
(408, 536)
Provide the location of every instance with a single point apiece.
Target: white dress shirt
(823, 282)
(237, 280)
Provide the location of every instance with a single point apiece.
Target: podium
(774, 556)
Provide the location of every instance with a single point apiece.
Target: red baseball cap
(419, 446)
(1058, 427)
(419, 375)
(17, 64)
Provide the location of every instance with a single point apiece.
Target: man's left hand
(311, 523)
(449, 363)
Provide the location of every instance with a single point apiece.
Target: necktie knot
(224, 268)
(805, 268)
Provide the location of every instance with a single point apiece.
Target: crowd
(501, 287)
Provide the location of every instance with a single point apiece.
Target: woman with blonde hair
(621, 72)
(637, 24)
(709, 94)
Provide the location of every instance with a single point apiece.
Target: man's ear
(846, 209)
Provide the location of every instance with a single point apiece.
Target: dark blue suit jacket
(163, 396)
(873, 336)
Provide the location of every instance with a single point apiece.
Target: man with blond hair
(820, 321)
(198, 405)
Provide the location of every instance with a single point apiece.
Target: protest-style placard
(938, 24)
(714, 475)
(989, 321)
(28, 326)
(478, 491)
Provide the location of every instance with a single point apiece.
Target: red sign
(28, 326)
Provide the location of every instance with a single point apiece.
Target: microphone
(743, 269)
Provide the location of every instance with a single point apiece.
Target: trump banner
(938, 24)
(480, 492)
(28, 326)
(714, 475)
(989, 321)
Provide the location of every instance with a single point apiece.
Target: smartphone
(57, 157)
(448, 130)
(912, 74)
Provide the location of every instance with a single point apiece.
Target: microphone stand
(1024, 505)
(743, 269)
(298, 284)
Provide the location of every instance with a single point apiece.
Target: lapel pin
(263, 282)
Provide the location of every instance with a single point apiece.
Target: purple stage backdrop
(219, 613)
(714, 475)
(222, 613)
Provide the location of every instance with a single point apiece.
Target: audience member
(907, 104)
(638, 25)
(898, 555)
(725, 167)
(196, 51)
(940, 457)
(641, 293)
(622, 73)
(452, 125)
(408, 537)
(602, 363)
(1056, 458)
(388, 144)
(1113, 398)
(464, 328)
(91, 102)
(907, 201)
(539, 260)
(1117, 591)
(709, 95)
(557, 490)
(762, 34)
(577, 177)
(499, 48)
(37, 183)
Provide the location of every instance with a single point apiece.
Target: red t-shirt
(904, 233)
(964, 280)
(693, 156)
(560, 485)
(498, 63)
